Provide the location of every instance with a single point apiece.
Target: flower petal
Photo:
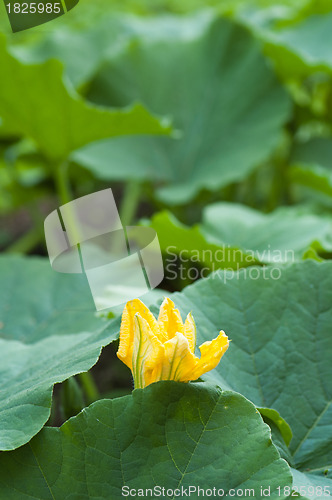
(126, 345)
(169, 319)
(164, 349)
(211, 353)
(190, 332)
(148, 354)
(178, 360)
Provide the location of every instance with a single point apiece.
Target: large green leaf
(312, 165)
(301, 46)
(280, 354)
(35, 101)
(317, 150)
(48, 332)
(281, 236)
(190, 244)
(67, 44)
(307, 43)
(234, 236)
(316, 179)
(170, 435)
(210, 76)
(312, 485)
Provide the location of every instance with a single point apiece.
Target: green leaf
(177, 239)
(280, 355)
(48, 332)
(312, 165)
(170, 435)
(55, 116)
(309, 40)
(224, 99)
(281, 236)
(280, 422)
(301, 48)
(67, 45)
(313, 252)
(312, 486)
(314, 151)
(233, 236)
(277, 437)
(314, 177)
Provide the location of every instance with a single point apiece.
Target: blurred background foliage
(248, 92)
(210, 120)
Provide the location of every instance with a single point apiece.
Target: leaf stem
(62, 183)
(89, 387)
(130, 202)
(65, 195)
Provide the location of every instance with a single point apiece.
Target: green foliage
(312, 166)
(49, 332)
(281, 236)
(233, 236)
(134, 442)
(227, 106)
(299, 49)
(246, 167)
(279, 422)
(318, 179)
(44, 94)
(191, 243)
(280, 354)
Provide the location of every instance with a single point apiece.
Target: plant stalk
(89, 387)
(130, 202)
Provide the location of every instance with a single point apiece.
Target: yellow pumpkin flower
(164, 349)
